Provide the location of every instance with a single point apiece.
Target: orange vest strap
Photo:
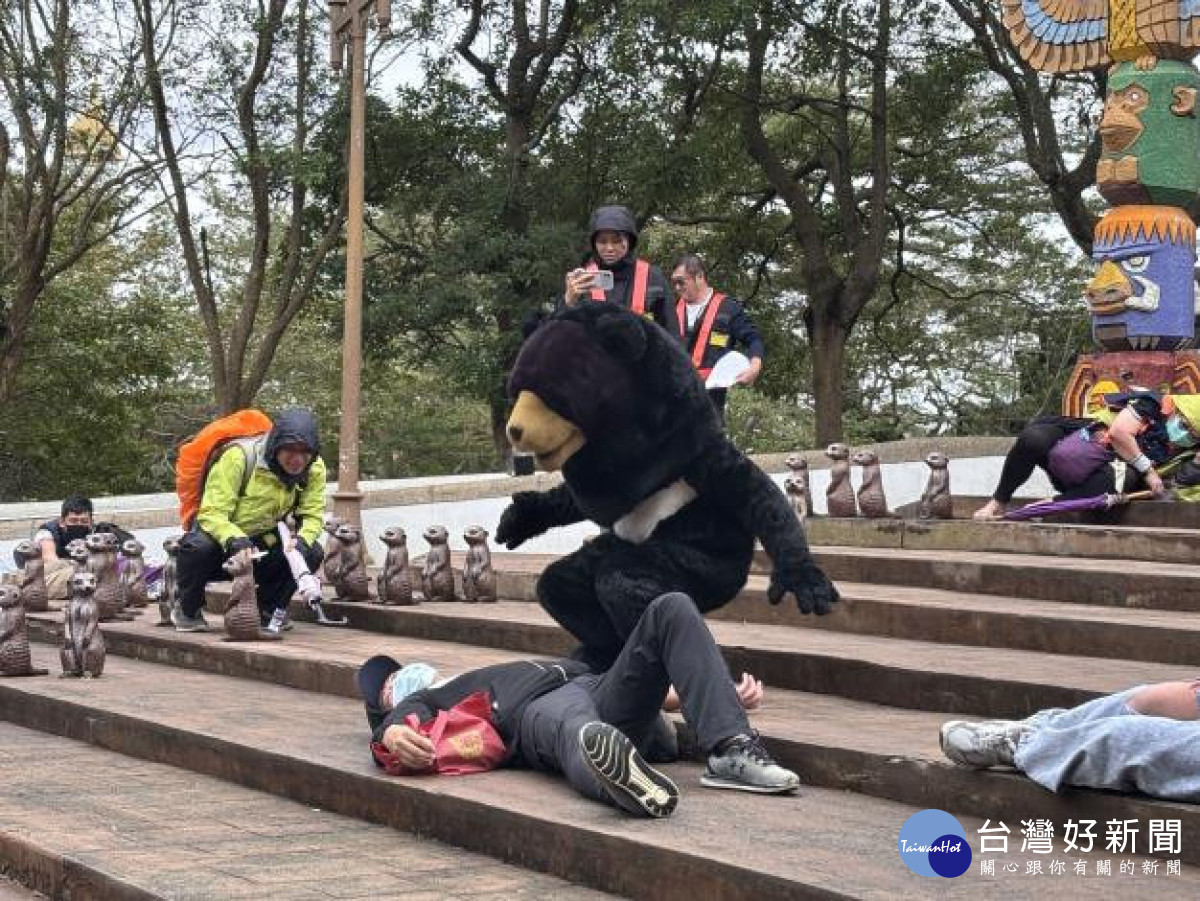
(706, 324)
(641, 278)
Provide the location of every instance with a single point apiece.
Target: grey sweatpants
(1105, 743)
(670, 645)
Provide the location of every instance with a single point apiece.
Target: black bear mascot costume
(615, 403)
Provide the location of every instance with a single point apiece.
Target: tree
(72, 171)
(259, 108)
(1043, 109)
(836, 193)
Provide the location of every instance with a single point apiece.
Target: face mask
(1178, 434)
(71, 533)
(409, 679)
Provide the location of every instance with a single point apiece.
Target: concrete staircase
(201, 768)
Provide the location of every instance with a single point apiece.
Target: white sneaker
(982, 744)
(743, 764)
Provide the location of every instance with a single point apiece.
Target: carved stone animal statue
(872, 502)
(102, 563)
(241, 616)
(77, 550)
(83, 643)
(796, 491)
(34, 597)
(799, 468)
(395, 585)
(333, 548)
(936, 501)
(133, 576)
(349, 569)
(839, 496)
(168, 592)
(15, 659)
(478, 578)
(437, 577)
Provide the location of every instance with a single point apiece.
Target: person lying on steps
(596, 729)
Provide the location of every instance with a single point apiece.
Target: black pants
(200, 559)
(1032, 448)
(671, 645)
(600, 592)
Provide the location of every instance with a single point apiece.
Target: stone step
(86, 822)
(1165, 545)
(310, 748)
(1144, 584)
(835, 742)
(930, 614)
(987, 621)
(1116, 583)
(911, 673)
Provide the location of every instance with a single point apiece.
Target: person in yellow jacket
(252, 485)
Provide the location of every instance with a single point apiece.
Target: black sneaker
(742, 763)
(633, 784)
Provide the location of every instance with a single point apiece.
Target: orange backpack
(198, 453)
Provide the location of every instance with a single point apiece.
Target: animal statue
(102, 563)
(77, 550)
(168, 592)
(34, 597)
(1077, 35)
(15, 659)
(478, 578)
(437, 576)
(872, 503)
(799, 469)
(796, 491)
(333, 547)
(133, 576)
(395, 584)
(242, 621)
(83, 643)
(936, 502)
(348, 570)
(839, 496)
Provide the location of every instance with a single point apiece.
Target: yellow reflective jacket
(226, 511)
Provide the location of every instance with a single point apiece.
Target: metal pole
(347, 500)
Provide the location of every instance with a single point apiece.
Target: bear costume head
(610, 399)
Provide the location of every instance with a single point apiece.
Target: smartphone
(602, 279)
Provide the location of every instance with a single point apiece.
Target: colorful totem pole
(1143, 298)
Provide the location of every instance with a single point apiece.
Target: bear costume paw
(813, 591)
(521, 520)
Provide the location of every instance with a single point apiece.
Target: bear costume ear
(622, 335)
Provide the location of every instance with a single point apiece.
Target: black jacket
(511, 685)
(732, 330)
(659, 304)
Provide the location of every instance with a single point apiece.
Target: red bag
(464, 739)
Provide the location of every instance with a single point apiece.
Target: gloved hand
(812, 589)
(235, 546)
(520, 521)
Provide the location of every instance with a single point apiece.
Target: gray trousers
(1105, 743)
(670, 645)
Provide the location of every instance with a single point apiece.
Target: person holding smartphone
(614, 272)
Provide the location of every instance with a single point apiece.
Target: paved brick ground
(187, 836)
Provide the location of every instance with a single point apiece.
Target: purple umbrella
(1074, 505)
